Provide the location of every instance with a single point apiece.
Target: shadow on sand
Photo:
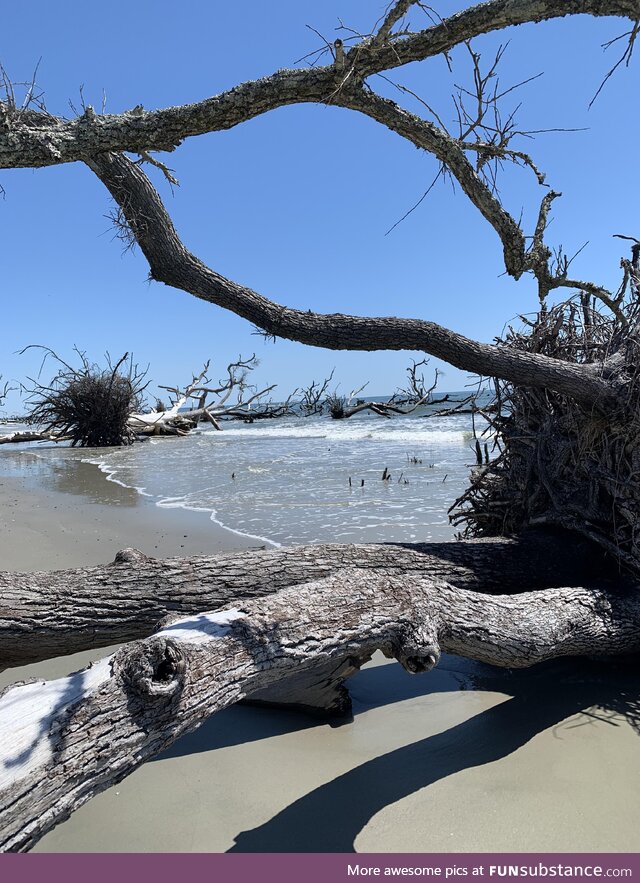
(329, 818)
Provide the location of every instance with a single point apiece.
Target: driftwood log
(63, 741)
(294, 625)
(13, 438)
(43, 615)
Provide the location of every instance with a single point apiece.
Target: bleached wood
(64, 741)
(43, 615)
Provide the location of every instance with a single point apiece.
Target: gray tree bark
(30, 139)
(171, 262)
(35, 138)
(43, 615)
(64, 741)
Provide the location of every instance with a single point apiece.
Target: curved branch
(397, 11)
(602, 294)
(170, 262)
(37, 140)
(448, 150)
(32, 139)
(481, 19)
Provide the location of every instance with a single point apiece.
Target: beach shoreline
(468, 758)
(80, 517)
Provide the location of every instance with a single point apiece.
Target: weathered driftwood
(31, 436)
(64, 741)
(339, 409)
(176, 421)
(172, 421)
(43, 615)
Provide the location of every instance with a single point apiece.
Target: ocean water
(304, 480)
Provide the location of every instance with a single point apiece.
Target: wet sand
(58, 514)
(468, 758)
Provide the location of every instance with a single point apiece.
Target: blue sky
(296, 203)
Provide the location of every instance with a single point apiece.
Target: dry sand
(468, 758)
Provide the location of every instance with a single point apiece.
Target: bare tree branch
(179, 419)
(35, 139)
(448, 150)
(173, 264)
(313, 397)
(397, 11)
(625, 58)
(5, 389)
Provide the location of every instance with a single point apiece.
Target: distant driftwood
(31, 436)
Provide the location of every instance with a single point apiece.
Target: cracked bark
(43, 615)
(316, 612)
(30, 139)
(64, 741)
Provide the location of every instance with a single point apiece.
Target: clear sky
(295, 203)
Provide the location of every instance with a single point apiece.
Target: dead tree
(29, 435)
(87, 405)
(313, 398)
(567, 387)
(62, 742)
(4, 391)
(168, 421)
(417, 393)
(340, 410)
(96, 407)
(403, 401)
(233, 398)
(339, 406)
(416, 389)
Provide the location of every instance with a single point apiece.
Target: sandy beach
(468, 758)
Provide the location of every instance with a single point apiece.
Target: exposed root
(556, 461)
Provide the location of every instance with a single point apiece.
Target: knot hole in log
(416, 647)
(153, 669)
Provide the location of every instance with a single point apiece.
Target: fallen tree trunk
(382, 409)
(64, 741)
(31, 436)
(43, 615)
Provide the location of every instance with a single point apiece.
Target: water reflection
(62, 470)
